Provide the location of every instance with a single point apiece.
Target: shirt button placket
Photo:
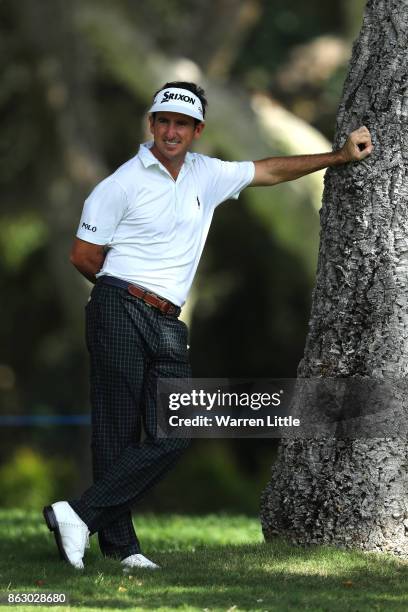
(175, 198)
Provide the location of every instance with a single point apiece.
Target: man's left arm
(274, 170)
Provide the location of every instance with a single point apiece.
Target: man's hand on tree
(358, 145)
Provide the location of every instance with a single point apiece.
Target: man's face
(173, 134)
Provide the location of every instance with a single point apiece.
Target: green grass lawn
(214, 562)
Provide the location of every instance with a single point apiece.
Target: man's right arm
(274, 170)
(88, 258)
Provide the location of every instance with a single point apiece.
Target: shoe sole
(129, 570)
(52, 524)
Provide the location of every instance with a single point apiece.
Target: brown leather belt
(148, 297)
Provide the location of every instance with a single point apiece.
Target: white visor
(175, 100)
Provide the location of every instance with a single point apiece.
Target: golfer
(139, 241)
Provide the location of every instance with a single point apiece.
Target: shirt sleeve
(102, 212)
(228, 179)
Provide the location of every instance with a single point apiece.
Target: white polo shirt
(155, 227)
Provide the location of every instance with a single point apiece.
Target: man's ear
(151, 123)
(198, 130)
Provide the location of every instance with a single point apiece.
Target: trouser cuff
(85, 514)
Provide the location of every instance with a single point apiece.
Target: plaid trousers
(131, 345)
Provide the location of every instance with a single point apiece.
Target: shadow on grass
(273, 576)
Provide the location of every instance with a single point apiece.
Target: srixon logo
(176, 96)
(89, 228)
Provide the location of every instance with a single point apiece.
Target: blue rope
(25, 420)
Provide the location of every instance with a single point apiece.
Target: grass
(208, 563)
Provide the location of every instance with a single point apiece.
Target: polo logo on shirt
(89, 228)
(176, 96)
(198, 202)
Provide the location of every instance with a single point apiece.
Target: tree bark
(342, 491)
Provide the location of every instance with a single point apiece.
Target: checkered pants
(131, 345)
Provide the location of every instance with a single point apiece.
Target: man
(139, 241)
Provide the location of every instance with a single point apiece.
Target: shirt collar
(148, 159)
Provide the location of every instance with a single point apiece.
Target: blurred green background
(77, 78)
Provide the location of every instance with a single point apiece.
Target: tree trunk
(354, 492)
(65, 70)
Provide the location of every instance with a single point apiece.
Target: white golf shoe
(70, 531)
(136, 562)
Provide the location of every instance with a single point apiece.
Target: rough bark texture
(354, 492)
